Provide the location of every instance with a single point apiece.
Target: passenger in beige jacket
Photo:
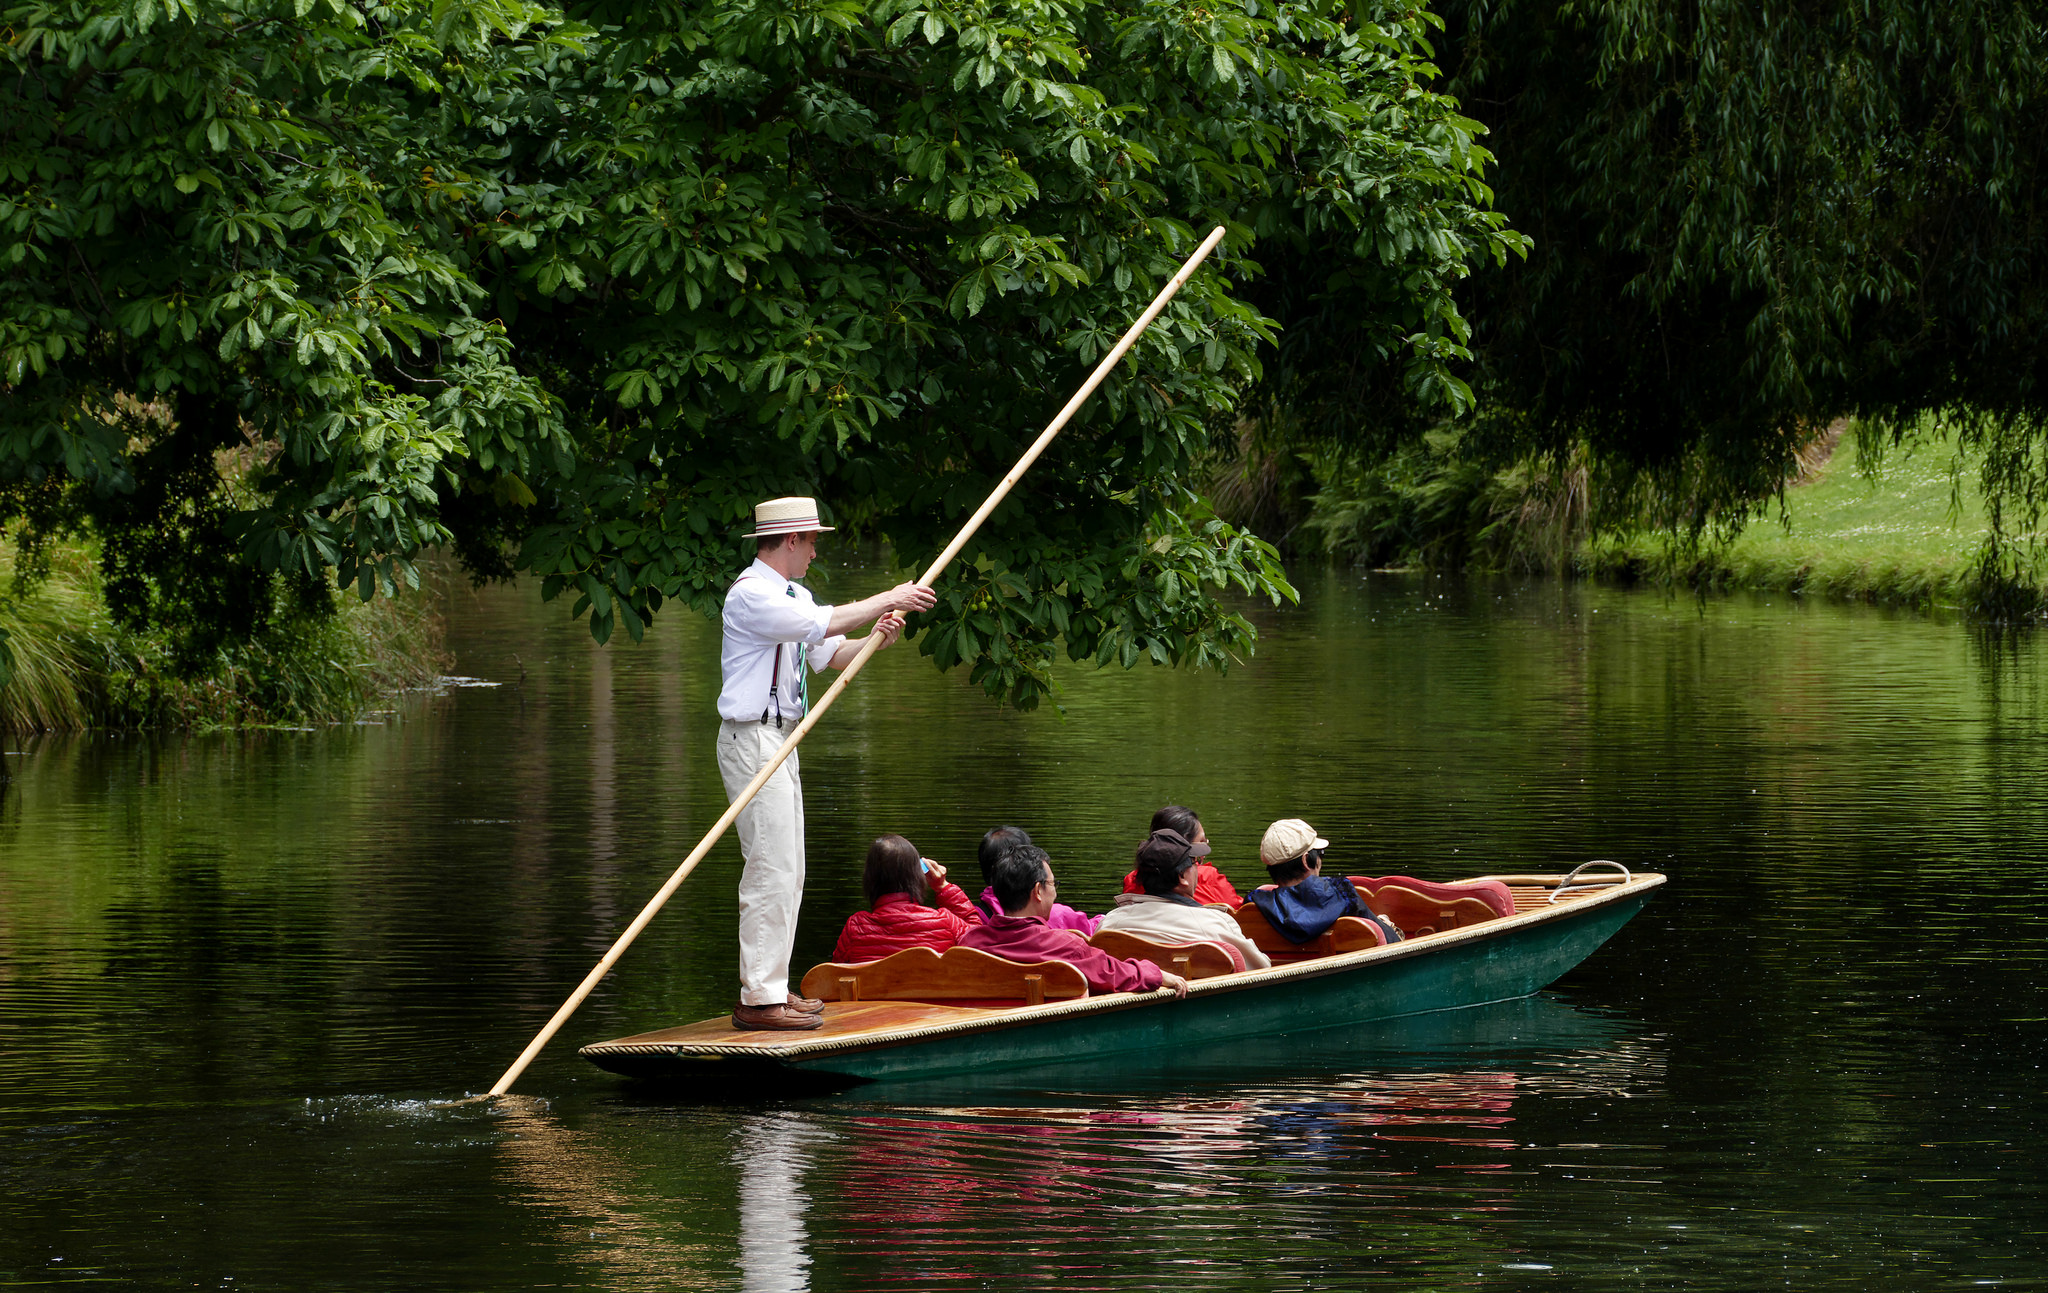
(1167, 911)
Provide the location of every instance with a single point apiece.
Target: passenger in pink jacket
(1023, 880)
(993, 846)
(898, 882)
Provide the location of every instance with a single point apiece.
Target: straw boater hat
(786, 516)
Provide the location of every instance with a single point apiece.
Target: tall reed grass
(74, 668)
(1427, 505)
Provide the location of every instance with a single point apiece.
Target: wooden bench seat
(962, 976)
(1188, 960)
(1349, 934)
(1539, 897)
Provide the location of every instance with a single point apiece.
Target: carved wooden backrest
(1491, 892)
(1416, 914)
(960, 974)
(1257, 928)
(1189, 960)
(1349, 934)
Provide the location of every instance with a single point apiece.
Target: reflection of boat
(1553, 930)
(1573, 1050)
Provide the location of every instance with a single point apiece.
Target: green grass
(1896, 536)
(74, 668)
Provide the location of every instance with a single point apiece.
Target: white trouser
(772, 842)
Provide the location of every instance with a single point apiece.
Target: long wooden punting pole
(860, 660)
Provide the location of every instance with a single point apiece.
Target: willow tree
(567, 289)
(1749, 220)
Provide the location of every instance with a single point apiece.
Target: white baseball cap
(1288, 839)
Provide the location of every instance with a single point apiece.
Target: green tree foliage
(1752, 219)
(570, 289)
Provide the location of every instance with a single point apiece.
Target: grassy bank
(74, 668)
(1905, 534)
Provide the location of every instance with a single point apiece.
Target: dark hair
(1282, 872)
(1173, 817)
(1161, 861)
(1017, 873)
(768, 541)
(894, 866)
(996, 843)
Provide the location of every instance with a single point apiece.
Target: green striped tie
(803, 681)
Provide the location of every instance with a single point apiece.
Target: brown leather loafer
(776, 1018)
(809, 1005)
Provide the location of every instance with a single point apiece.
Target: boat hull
(1449, 979)
(1497, 961)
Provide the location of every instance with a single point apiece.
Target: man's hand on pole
(903, 597)
(889, 628)
(911, 597)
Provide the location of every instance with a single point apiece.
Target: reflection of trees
(610, 1205)
(588, 1190)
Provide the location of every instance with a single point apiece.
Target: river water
(240, 975)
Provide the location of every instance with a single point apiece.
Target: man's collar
(762, 570)
(1179, 899)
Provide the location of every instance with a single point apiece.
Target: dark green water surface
(238, 974)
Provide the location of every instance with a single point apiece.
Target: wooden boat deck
(861, 1025)
(843, 1019)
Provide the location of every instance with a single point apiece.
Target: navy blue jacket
(1302, 912)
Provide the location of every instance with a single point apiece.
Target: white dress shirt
(764, 610)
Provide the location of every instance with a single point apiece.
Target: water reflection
(595, 1198)
(772, 1153)
(1813, 1061)
(1263, 1164)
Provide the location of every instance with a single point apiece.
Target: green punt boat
(1554, 929)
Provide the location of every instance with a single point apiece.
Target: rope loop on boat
(1565, 885)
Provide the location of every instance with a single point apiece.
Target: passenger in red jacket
(1211, 885)
(898, 883)
(1024, 884)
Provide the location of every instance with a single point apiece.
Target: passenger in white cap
(1302, 902)
(773, 629)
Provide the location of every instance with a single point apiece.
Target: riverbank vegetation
(570, 288)
(1903, 524)
(566, 288)
(1905, 527)
(76, 667)
(1750, 222)
(1749, 226)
